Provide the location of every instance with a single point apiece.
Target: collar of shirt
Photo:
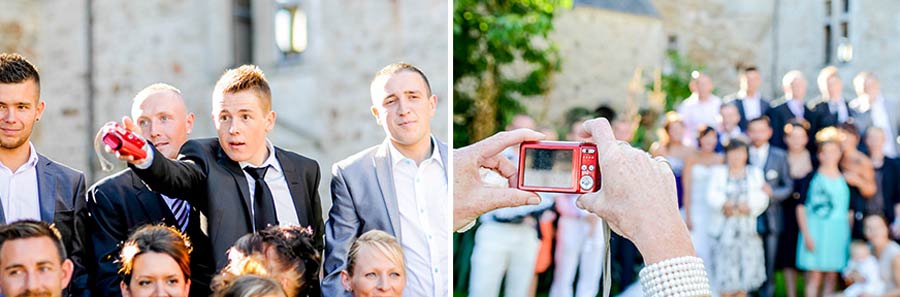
(754, 98)
(396, 156)
(31, 163)
(796, 105)
(270, 160)
(761, 152)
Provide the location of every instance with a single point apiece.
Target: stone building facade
(604, 41)
(95, 55)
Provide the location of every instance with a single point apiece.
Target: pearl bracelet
(682, 276)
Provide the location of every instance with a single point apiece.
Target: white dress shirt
(284, 204)
(796, 107)
(752, 106)
(19, 190)
(424, 221)
(837, 106)
(881, 120)
(696, 113)
(759, 156)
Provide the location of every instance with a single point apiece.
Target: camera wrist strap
(607, 271)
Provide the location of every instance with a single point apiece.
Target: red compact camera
(558, 166)
(122, 140)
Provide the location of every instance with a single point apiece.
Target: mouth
(10, 131)
(236, 144)
(161, 143)
(406, 123)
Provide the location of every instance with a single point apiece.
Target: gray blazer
(61, 197)
(862, 115)
(363, 198)
(778, 176)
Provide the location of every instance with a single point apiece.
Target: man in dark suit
(791, 106)
(122, 203)
(887, 172)
(779, 185)
(748, 100)
(399, 186)
(31, 185)
(830, 108)
(239, 181)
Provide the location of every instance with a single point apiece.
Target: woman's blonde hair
(382, 242)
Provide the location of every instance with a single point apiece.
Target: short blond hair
(150, 90)
(382, 242)
(400, 67)
(822, 80)
(246, 77)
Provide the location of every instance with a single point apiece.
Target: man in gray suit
(870, 109)
(399, 186)
(773, 162)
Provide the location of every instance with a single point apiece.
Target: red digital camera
(558, 166)
(122, 140)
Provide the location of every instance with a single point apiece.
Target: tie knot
(257, 172)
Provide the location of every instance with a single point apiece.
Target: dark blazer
(739, 103)
(823, 116)
(889, 187)
(363, 199)
(61, 199)
(119, 205)
(216, 185)
(781, 115)
(778, 175)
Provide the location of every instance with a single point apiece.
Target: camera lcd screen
(549, 168)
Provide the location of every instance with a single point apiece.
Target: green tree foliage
(488, 37)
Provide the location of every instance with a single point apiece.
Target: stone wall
(322, 100)
(600, 50)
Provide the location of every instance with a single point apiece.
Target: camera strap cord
(607, 271)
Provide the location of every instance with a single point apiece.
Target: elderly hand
(637, 197)
(471, 196)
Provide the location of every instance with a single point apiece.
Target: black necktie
(263, 203)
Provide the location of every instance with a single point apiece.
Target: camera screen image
(551, 168)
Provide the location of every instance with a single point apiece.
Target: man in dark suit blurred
(239, 181)
(748, 100)
(33, 187)
(872, 109)
(779, 185)
(791, 106)
(121, 203)
(830, 108)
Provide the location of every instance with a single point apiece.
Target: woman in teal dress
(822, 247)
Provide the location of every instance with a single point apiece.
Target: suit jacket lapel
(235, 170)
(152, 202)
(385, 178)
(46, 183)
(293, 179)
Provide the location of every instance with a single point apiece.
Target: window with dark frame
(242, 22)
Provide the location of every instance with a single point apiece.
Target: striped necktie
(182, 211)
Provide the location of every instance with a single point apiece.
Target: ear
(345, 280)
(40, 110)
(189, 123)
(376, 114)
(432, 101)
(67, 268)
(124, 288)
(270, 120)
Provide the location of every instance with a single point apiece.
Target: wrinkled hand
(129, 125)
(471, 196)
(637, 197)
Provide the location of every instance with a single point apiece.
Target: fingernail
(534, 200)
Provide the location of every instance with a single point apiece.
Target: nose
(383, 284)
(10, 115)
(159, 289)
(233, 129)
(152, 131)
(31, 282)
(403, 106)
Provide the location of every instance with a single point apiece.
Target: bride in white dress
(695, 179)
